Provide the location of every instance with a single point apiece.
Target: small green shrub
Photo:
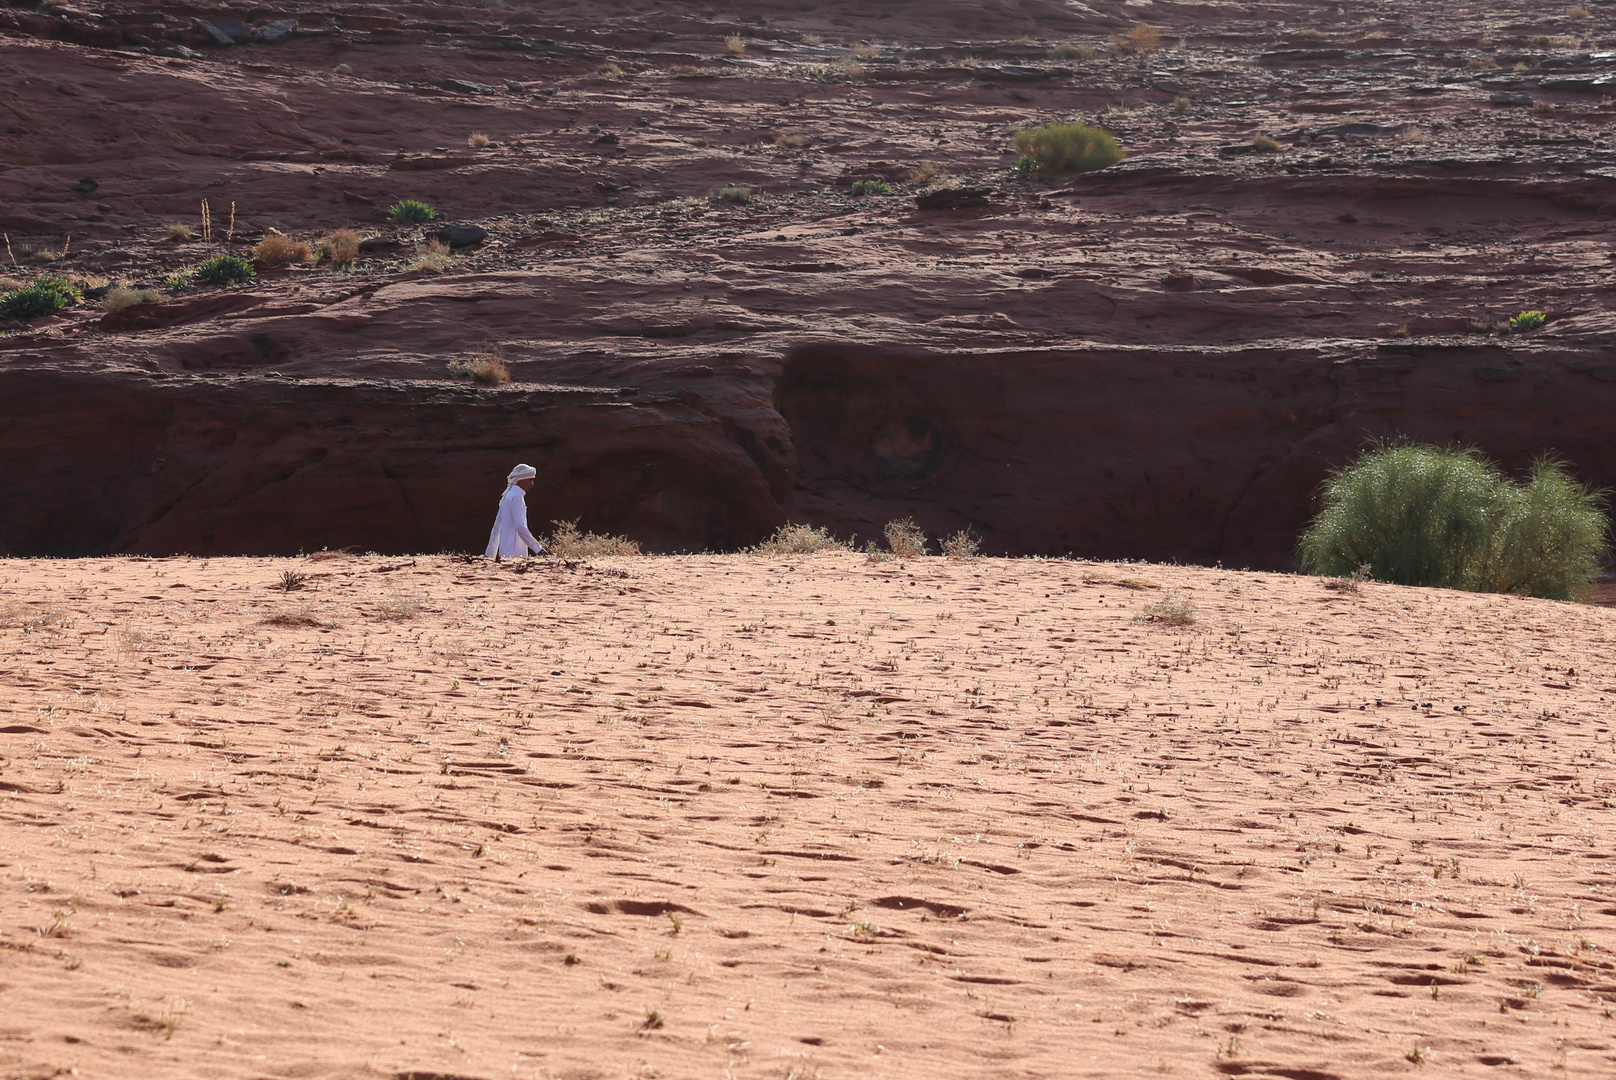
(1062, 149)
(871, 187)
(224, 270)
(1527, 320)
(42, 296)
(412, 210)
(1416, 514)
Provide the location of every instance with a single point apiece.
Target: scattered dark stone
(179, 52)
(460, 86)
(642, 121)
(1285, 57)
(515, 87)
(952, 198)
(1179, 283)
(354, 197)
(237, 31)
(86, 185)
(277, 30)
(1507, 97)
(214, 34)
(1587, 84)
(373, 244)
(610, 139)
(1013, 73)
(548, 90)
(462, 235)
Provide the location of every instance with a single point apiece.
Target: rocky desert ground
(1325, 214)
(803, 817)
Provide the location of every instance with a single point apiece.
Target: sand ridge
(728, 815)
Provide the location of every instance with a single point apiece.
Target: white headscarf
(521, 472)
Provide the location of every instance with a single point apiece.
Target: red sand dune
(736, 816)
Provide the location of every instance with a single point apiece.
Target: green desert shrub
(871, 187)
(412, 210)
(1416, 514)
(224, 270)
(1527, 320)
(1062, 149)
(42, 296)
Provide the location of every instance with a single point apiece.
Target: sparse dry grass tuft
(568, 542)
(1073, 52)
(397, 606)
(179, 232)
(735, 43)
(610, 70)
(799, 540)
(1265, 144)
(490, 370)
(434, 258)
(905, 539)
(341, 247)
(1168, 611)
(733, 193)
(306, 614)
(1142, 40)
(478, 140)
(961, 545)
(122, 299)
(277, 250)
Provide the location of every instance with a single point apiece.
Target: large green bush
(1416, 514)
(43, 296)
(1062, 149)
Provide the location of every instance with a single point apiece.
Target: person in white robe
(510, 537)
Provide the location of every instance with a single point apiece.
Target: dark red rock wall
(1198, 457)
(96, 465)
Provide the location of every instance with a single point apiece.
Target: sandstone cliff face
(1198, 457)
(1160, 360)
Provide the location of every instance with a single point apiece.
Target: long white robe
(510, 537)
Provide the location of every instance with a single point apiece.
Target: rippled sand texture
(734, 816)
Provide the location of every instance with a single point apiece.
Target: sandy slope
(728, 816)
